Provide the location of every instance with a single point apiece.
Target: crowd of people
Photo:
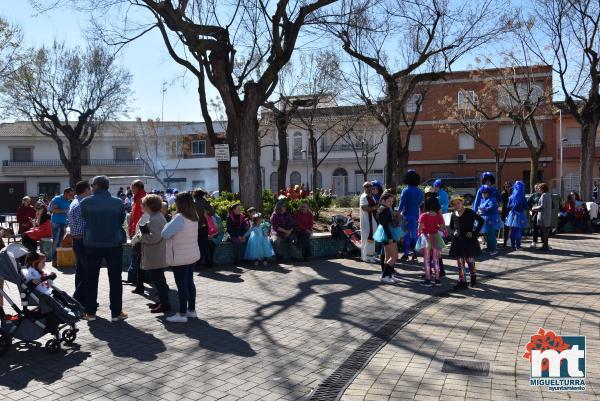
(416, 224)
(100, 224)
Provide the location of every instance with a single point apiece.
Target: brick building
(437, 147)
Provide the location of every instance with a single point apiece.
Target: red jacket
(43, 231)
(136, 212)
(304, 221)
(23, 216)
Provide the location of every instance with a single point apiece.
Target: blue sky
(146, 59)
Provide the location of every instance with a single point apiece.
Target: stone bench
(322, 245)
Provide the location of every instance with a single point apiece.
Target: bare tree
(405, 44)
(472, 122)
(10, 44)
(320, 87)
(68, 95)
(365, 147)
(160, 147)
(239, 46)
(566, 35)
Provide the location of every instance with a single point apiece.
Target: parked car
(465, 186)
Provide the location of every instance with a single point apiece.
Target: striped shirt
(76, 223)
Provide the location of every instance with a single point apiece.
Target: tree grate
(333, 387)
(466, 367)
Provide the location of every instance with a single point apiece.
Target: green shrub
(347, 201)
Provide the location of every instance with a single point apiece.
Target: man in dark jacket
(103, 237)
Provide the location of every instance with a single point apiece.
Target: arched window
(295, 178)
(339, 181)
(273, 182)
(297, 147)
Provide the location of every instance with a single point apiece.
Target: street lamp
(306, 159)
(562, 142)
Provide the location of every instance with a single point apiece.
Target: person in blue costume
(488, 208)
(410, 202)
(377, 189)
(442, 195)
(488, 179)
(518, 218)
(258, 246)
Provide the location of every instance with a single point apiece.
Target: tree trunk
(283, 154)
(74, 164)
(534, 166)
(498, 170)
(402, 167)
(588, 149)
(224, 175)
(249, 155)
(312, 145)
(395, 168)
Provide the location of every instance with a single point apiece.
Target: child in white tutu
(258, 246)
(430, 240)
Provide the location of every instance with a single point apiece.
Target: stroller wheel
(5, 342)
(69, 335)
(52, 346)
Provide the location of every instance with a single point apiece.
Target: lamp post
(306, 159)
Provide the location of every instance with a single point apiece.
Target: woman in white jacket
(181, 234)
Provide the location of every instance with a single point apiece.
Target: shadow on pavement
(127, 341)
(211, 338)
(26, 362)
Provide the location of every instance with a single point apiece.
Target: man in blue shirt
(59, 207)
(103, 238)
(442, 195)
(77, 227)
(411, 198)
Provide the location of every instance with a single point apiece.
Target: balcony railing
(568, 145)
(58, 163)
(342, 147)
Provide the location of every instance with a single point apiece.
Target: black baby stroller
(40, 314)
(342, 227)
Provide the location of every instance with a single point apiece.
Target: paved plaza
(279, 333)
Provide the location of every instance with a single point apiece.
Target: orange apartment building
(439, 149)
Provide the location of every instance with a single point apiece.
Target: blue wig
(412, 178)
(518, 191)
(487, 176)
(437, 183)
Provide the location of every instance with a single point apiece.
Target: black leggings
(206, 253)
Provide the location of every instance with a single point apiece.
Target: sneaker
(414, 258)
(137, 291)
(533, 245)
(387, 280)
(373, 259)
(177, 318)
(192, 314)
(119, 318)
(154, 305)
(493, 253)
(265, 263)
(426, 283)
(404, 258)
(90, 317)
(473, 280)
(461, 285)
(396, 277)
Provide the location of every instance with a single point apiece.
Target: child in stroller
(45, 308)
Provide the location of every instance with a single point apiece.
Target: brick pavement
(264, 334)
(491, 323)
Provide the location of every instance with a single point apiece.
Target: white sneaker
(373, 259)
(177, 318)
(533, 245)
(396, 279)
(192, 314)
(387, 280)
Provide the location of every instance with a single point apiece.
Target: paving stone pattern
(275, 333)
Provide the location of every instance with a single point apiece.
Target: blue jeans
(114, 263)
(79, 250)
(186, 290)
(58, 233)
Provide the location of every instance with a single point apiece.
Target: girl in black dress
(465, 246)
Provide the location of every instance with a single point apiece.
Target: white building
(31, 163)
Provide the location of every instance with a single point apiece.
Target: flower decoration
(544, 340)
